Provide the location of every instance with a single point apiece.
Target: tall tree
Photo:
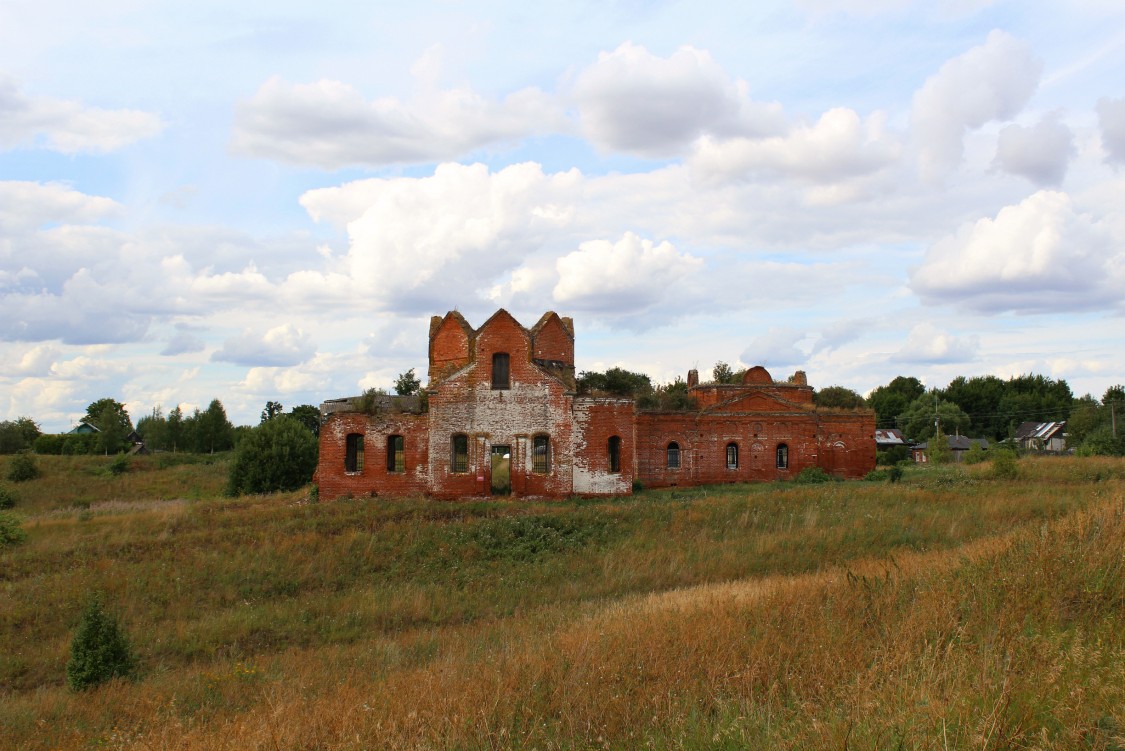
(838, 397)
(154, 429)
(176, 428)
(307, 415)
(113, 423)
(213, 431)
(892, 400)
(407, 383)
(272, 410)
(979, 397)
(927, 412)
(17, 435)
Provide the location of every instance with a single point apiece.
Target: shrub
(8, 498)
(814, 475)
(100, 650)
(975, 454)
(22, 468)
(1004, 465)
(894, 474)
(11, 532)
(279, 454)
(119, 465)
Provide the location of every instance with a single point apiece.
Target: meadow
(951, 610)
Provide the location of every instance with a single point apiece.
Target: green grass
(232, 601)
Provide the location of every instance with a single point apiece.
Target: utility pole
(1113, 418)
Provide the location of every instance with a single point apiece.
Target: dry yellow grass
(1011, 640)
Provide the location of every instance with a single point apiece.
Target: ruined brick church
(502, 415)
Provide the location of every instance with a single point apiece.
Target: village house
(502, 415)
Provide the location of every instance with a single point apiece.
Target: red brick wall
(596, 420)
(553, 342)
(450, 346)
(334, 482)
(536, 404)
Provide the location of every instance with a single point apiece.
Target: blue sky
(268, 201)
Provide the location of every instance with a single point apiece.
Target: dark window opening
(782, 456)
(673, 455)
(541, 455)
(396, 456)
(353, 454)
(615, 454)
(460, 460)
(732, 456)
(500, 373)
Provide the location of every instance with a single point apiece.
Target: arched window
(782, 456)
(615, 453)
(396, 456)
(353, 453)
(501, 378)
(459, 461)
(673, 455)
(732, 455)
(541, 455)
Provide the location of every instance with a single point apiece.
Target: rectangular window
(353, 453)
(732, 456)
(396, 456)
(460, 459)
(500, 374)
(782, 456)
(541, 455)
(615, 454)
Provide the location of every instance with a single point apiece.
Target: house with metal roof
(1042, 436)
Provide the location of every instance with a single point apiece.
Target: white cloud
(927, 344)
(838, 146)
(423, 244)
(633, 101)
(331, 125)
(1040, 153)
(777, 348)
(280, 346)
(25, 206)
(1040, 256)
(990, 82)
(630, 275)
(183, 342)
(1111, 118)
(67, 126)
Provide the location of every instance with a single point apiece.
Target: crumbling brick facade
(501, 414)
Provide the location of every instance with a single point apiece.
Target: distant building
(502, 415)
(958, 445)
(889, 438)
(1042, 436)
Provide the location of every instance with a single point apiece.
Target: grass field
(951, 610)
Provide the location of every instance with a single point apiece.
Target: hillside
(952, 610)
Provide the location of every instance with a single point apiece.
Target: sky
(269, 200)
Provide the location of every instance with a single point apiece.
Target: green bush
(10, 530)
(814, 475)
(894, 474)
(100, 650)
(280, 454)
(876, 475)
(1004, 465)
(22, 467)
(975, 454)
(8, 498)
(119, 465)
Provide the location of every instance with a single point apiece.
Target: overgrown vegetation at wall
(954, 609)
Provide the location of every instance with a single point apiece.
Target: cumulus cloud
(280, 346)
(633, 101)
(422, 244)
(1111, 118)
(990, 82)
(1040, 153)
(777, 348)
(927, 344)
(68, 126)
(1039, 256)
(627, 276)
(331, 125)
(25, 206)
(838, 146)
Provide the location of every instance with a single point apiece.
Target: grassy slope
(949, 611)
